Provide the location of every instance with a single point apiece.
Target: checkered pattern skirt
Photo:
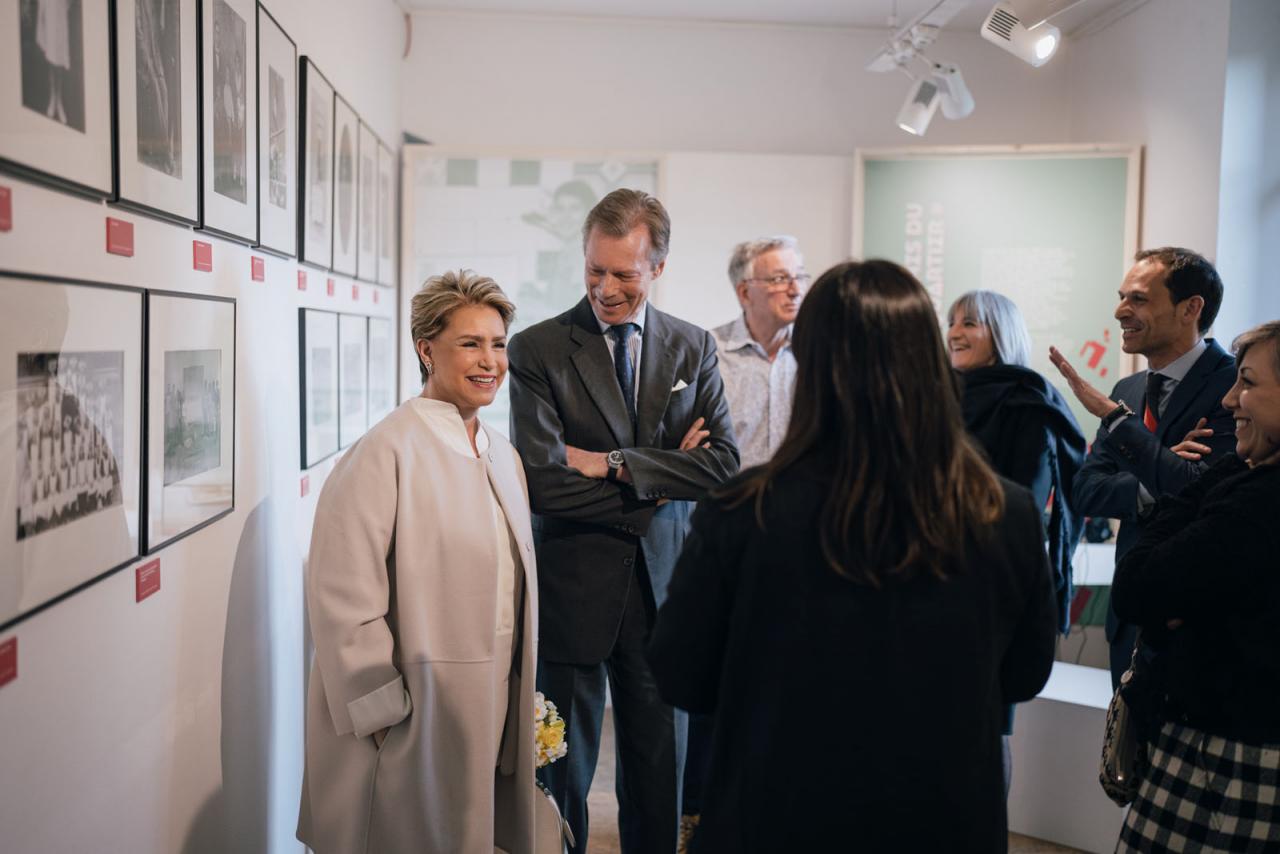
(1205, 793)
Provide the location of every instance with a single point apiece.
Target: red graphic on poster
(202, 256)
(8, 661)
(119, 237)
(1096, 350)
(258, 269)
(147, 580)
(6, 209)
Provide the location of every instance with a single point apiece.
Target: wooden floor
(603, 807)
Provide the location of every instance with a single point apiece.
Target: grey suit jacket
(589, 532)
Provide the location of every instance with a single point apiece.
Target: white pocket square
(680, 384)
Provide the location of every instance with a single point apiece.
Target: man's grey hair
(1009, 336)
(745, 254)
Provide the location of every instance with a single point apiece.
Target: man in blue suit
(1168, 300)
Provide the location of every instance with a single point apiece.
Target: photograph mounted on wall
(190, 414)
(382, 369)
(318, 391)
(230, 168)
(353, 378)
(315, 176)
(387, 221)
(70, 437)
(157, 116)
(277, 138)
(346, 140)
(56, 121)
(367, 206)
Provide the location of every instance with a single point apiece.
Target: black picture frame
(179, 497)
(318, 424)
(229, 185)
(56, 552)
(61, 129)
(157, 93)
(277, 204)
(315, 166)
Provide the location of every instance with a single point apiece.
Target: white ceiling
(871, 14)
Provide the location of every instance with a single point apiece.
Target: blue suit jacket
(1120, 459)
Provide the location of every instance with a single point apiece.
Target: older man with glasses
(759, 373)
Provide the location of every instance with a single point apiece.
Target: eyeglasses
(783, 281)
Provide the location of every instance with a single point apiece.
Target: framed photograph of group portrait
(56, 120)
(70, 437)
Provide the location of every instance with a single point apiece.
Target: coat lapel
(657, 374)
(594, 366)
(1190, 388)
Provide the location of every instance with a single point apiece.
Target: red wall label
(119, 237)
(8, 661)
(305, 486)
(258, 269)
(147, 581)
(375, 296)
(302, 280)
(355, 292)
(330, 287)
(202, 256)
(6, 209)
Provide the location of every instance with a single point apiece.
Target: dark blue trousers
(650, 735)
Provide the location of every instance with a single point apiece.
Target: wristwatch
(1109, 420)
(615, 461)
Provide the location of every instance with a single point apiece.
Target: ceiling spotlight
(917, 111)
(953, 95)
(1035, 47)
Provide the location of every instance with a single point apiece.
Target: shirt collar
(638, 320)
(740, 336)
(448, 421)
(1178, 368)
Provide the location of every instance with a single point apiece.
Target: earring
(427, 366)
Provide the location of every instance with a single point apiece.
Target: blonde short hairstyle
(442, 295)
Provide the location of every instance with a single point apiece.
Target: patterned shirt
(759, 392)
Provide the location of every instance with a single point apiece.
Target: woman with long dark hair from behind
(856, 612)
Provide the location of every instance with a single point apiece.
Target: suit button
(628, 561)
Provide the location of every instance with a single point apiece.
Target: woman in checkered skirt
(1204, 584)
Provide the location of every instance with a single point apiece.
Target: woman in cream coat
(422, 596)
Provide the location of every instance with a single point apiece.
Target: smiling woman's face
(969, 343)
(468, 359)
(1255, 402)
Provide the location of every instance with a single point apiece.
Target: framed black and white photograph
(387, 220)
(367, 206)
(70, 437)
(157, 114)
(318, 391)
(346, 142)
(353, 378)
(191, 393)
(315, 178)
(56, 121)
(277, 138)
(382, 369)
(229, 198)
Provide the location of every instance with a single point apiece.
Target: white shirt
(759, 391)
(634, 345)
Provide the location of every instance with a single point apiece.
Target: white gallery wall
(175, 724)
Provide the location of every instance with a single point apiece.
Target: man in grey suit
(618, 411)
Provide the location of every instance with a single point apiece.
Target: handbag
(551, 832)
(1124, 750)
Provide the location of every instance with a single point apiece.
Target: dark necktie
(622, 365)
(1155, 388)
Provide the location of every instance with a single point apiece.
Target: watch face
(616, 459)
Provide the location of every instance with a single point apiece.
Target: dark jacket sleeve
(1103, 486)
(1203, 551)
(555, 489)
(1029, 659)
(686, 651)
(1156, 467)
(688, 475)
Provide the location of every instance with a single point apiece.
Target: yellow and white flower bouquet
(548, 732)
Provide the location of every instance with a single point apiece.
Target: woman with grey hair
(422, 599)
(1022, 423)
